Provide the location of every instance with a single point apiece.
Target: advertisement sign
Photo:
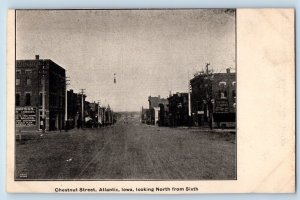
(221, 106)
(25, 116)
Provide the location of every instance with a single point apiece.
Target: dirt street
(128, 150)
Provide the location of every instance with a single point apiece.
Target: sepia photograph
(134, 94)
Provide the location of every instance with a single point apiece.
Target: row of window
(223, 94)
(27, 71)
(28, 81)
(27, 99)
(223, 83)
(53, 100)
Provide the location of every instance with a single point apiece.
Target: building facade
(163, 117)
(178, 109)
(72, 109)
(213, 99)
(144, 115)
(154, 108)
(38, 82)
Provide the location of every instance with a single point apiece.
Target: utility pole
(82, 106)
(207, 64)
(189, 100)
(207, 98)
(43, 122)
(98, 109)
(67, 82)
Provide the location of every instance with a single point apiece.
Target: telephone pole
(189, 95)
(67, 82)
(43, 122)
(207, 64)
(98, 109)
(82, 105)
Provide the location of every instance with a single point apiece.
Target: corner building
(29, 94)
(213, 99)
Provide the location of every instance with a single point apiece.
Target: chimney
(37, 57)
(228, 70)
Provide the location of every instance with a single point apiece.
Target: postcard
(151, 101)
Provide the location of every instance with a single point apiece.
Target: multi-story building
(163, 116)
(154, 107)
(213, 98)
(38, 82)
(178, 109)
(72, 109)
(75, 108)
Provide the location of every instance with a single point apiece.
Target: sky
(152, 52)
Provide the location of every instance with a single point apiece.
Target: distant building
(213, 99)
(108, 116)
(178, 109)
(154, 107)
(74, 104)
(144, 116)
(93, 110)
(29, 94)
(163, 116)
(72, 108)
(101, 116)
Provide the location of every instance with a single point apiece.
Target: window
(199, 105)
(222, 83)
(17, 99)
(18, 71)
(17, 81)
(27, 99)
(28, 81)
(28, 71)
(223, 94)
(233, 94)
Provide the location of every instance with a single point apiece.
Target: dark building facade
(213, 98)
(73, 109)
(74, 104)
(29, 94)
(163, 117)
(178, 109)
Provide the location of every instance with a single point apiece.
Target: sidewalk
(34, 134)
(200, 128)
(207, 129)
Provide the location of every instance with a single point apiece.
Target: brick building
(29, 94)
(163, 117)
(73, 108)
(178, 109)
(213, 98)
